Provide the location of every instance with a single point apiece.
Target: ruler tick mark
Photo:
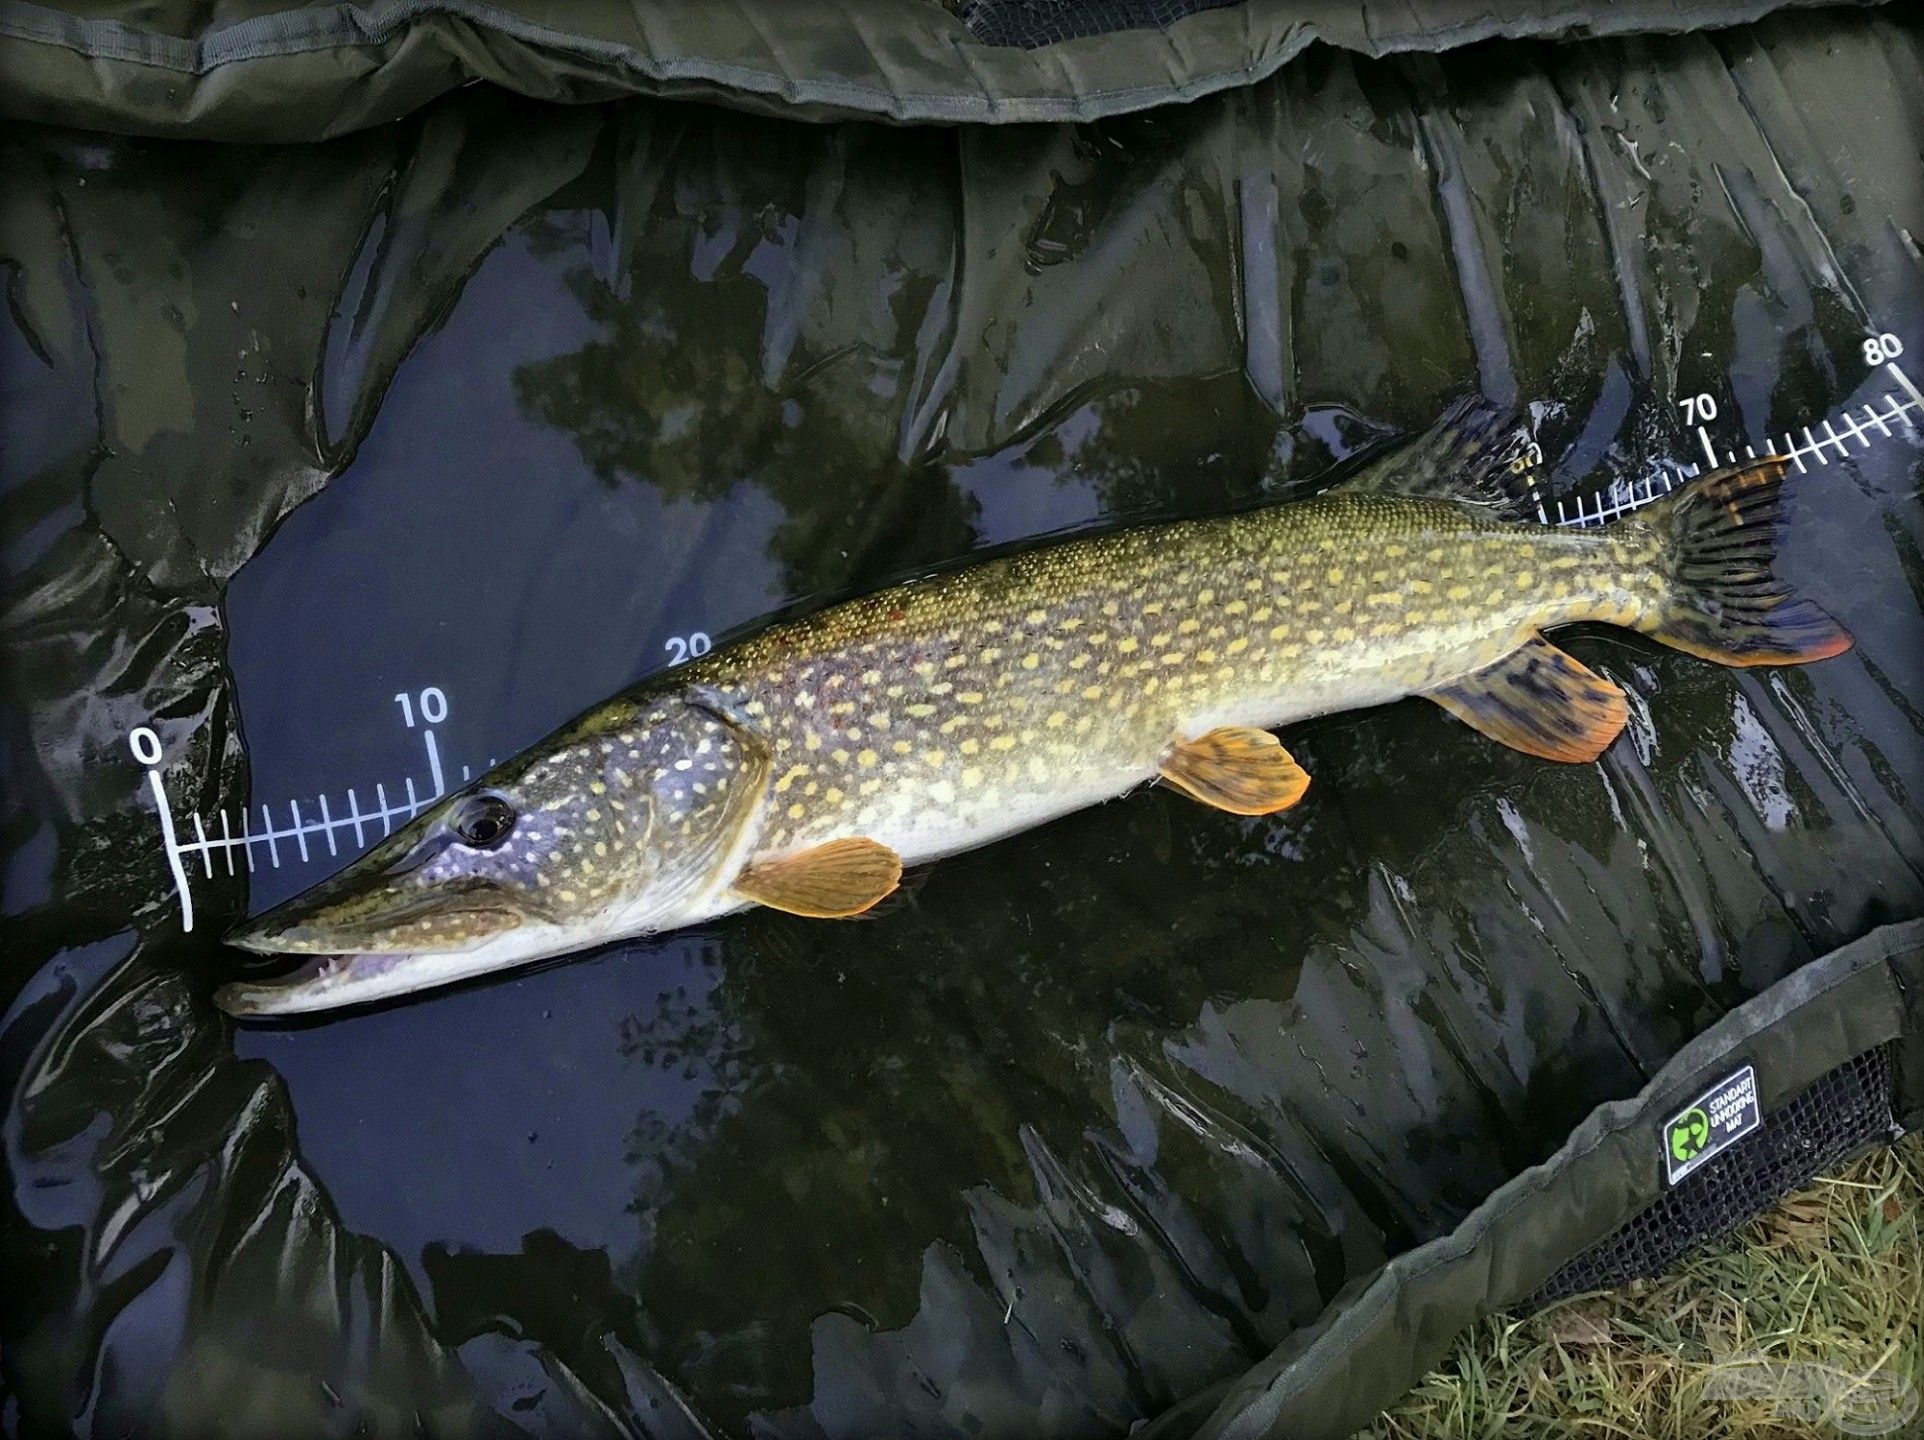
(172, 847)
(1917, 397)
(434, 764)
(200, 837)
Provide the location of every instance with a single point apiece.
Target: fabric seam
(293, 33)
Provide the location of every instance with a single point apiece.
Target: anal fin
(832, 881)
(1541, 701)
(1236, 768)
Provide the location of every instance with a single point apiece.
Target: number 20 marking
(680, 647)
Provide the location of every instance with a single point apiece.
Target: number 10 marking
(434, 706)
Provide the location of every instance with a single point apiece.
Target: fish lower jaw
(323, 982)
(337, 981)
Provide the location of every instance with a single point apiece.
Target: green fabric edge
(1385, 1332)
(324, 70)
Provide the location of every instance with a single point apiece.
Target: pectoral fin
(832, 881)
(1540, 701)
(1238, 769)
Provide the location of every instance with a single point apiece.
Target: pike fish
(802, 768)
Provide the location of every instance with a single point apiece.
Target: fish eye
(482, 821)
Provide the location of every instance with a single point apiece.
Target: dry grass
(1810, 1320)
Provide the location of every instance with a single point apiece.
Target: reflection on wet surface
(501, 400)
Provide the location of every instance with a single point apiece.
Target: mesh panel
(1030, 24)
(1839, 1113)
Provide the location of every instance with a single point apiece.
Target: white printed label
(1710, 1124)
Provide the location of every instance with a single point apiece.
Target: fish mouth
(323, 982)
(336, 979)
(358, 947)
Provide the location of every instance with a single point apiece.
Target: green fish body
(803, 767)
(944, 713)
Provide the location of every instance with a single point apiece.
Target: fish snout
(346, 977)
(274, 934)
(372, 912)
(377, 929)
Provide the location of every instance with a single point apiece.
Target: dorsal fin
(1474, 454)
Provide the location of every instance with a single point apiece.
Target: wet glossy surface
(1085, 1120)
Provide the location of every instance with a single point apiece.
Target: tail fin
(1719, 538)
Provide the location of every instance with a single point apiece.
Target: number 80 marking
(1880, 348)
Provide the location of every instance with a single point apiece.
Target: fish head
(628, 821)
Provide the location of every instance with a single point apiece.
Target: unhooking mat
(333, 471)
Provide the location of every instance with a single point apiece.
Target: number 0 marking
(146, 746)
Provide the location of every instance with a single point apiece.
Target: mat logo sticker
(1710, 1124)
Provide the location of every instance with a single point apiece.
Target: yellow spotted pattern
(979, 690)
